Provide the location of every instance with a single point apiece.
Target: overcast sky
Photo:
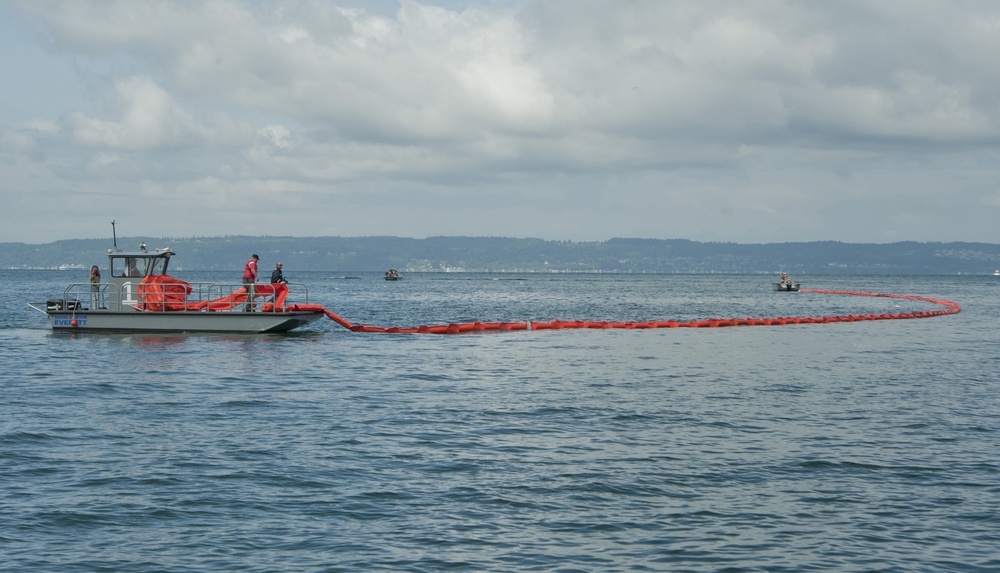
(746, 121)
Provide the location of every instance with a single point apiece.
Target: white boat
(139, 296)
(786, 284)
(996, 273)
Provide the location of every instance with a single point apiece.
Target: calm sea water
(869, 446)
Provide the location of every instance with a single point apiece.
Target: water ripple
(847, 447)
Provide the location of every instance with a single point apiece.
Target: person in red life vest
(249, 281)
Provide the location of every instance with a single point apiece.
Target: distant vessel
(996, 273)
(786, 284)
(393, 275)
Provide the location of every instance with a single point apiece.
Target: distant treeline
(504, 254)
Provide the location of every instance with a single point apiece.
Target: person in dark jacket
(276, 276)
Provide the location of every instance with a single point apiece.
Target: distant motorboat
(786, 284)
(996, 273)
(393, 275)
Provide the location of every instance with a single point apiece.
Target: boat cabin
(126, 270)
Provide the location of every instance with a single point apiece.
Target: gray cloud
(752, 122)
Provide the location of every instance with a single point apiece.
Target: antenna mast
(114, 235)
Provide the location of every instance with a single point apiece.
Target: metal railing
(121, 298)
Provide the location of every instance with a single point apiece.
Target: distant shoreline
(508, 255)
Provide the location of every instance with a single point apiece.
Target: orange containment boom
(473, 327)
(164, 293)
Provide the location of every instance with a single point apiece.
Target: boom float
(472, 327)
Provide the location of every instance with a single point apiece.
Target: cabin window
(159, 266)
(128, 267)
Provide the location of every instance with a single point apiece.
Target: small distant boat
(786, 284)
(393, 275)
(996, 273)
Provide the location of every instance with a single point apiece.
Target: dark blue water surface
(867, 446)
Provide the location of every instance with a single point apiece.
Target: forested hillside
(502, 254)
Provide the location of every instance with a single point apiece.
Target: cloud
(757, 113)
(148, 118)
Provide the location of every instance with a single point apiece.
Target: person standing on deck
(249, 281)
(95, 287)
(276, 276)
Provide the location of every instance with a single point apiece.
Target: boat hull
(786, 287)
(218, 322)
